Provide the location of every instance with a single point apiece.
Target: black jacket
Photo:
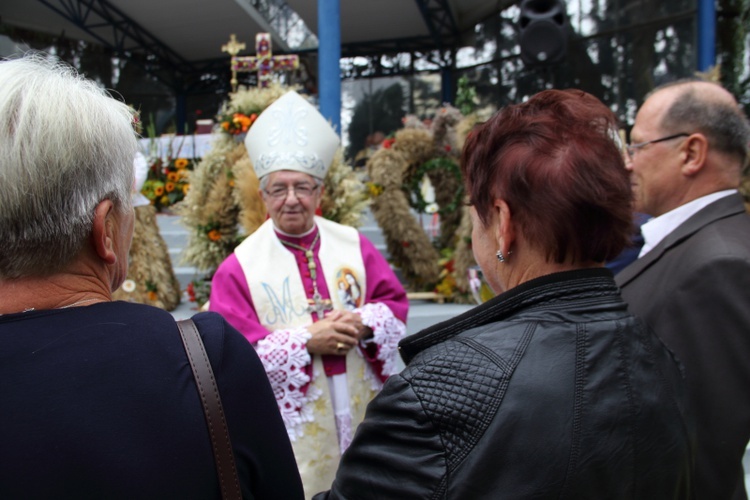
(551, 390)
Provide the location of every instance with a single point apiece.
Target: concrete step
(176, 237)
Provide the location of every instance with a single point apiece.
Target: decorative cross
(319, 305)
(233, 47)
(263, 62)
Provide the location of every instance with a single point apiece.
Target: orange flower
(214, 235)
(172, 176)
(181, 163)
(152, 296)
(225, 126)
(242, 121)
(159, 190)
(170, 187)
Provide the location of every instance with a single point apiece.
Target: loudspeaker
(543, 34)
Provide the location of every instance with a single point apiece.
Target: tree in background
(732, 38)
(380, 111)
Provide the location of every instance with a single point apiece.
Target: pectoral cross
(263, 62)
(319, 305)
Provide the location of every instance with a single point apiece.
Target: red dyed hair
(554, 161)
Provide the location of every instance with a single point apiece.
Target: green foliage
(466, 96)
(417, 201)
(732, 37)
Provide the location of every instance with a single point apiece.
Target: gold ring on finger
(340, 346)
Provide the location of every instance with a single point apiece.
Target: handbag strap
(209, 393)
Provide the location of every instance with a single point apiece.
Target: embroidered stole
(280, 301)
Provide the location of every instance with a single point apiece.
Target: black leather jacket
(551, 390)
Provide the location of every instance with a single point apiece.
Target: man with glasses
(691, 282)
(320, 304)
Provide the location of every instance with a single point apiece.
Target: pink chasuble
(230, 296)
(320, 425)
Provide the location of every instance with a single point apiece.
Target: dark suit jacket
(693, 288)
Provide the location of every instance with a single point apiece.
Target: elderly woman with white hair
(99, 398)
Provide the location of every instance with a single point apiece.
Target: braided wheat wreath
(395, 173)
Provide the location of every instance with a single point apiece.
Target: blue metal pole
(706, 34)
(329, 54)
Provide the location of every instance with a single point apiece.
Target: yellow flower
(374, 189)
(185, 188)
(170, 187)
(164, 200)
(181, 163)
(172, 176)
(447, 286)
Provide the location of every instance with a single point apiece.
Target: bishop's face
(291, 199)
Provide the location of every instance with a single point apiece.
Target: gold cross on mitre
(263, 62)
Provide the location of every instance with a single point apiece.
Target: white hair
(65, 145)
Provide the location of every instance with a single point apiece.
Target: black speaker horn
(543, 31)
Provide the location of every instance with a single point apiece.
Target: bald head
(708, 108)
(690, 139)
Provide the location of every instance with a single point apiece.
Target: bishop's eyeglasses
(632, 149)
(300, 191)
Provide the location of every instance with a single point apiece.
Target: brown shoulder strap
(217, 425)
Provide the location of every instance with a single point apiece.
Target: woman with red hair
(551, 389)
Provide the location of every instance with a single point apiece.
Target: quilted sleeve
(381, 462)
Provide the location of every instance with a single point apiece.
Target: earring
(500, 255)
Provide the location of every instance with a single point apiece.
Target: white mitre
(291, 134)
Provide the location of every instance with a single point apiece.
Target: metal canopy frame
(93, 16)
(159, 60)
(440, 22)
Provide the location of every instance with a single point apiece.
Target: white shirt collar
(294, 235)
(659, 228)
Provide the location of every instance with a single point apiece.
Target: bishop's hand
(332, 335)
(352, 318)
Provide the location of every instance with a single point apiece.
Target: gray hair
(65, 145)
(723, 123)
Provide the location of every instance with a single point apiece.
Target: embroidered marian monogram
(282, 310)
